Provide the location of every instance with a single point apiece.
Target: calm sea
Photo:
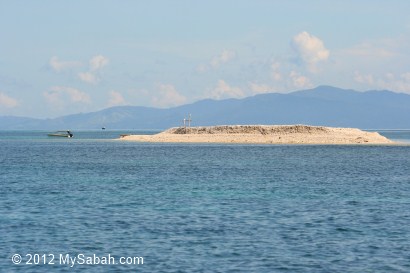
(200, 207)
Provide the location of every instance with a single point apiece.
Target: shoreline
(263, 134)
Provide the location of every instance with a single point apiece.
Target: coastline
(263, 134)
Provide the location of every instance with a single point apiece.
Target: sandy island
(264, 134)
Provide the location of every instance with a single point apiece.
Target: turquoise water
(204, 208)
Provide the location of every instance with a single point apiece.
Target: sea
(96, 204)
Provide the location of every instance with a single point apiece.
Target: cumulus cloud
(224, 57)
(275, 71)
(54, 98)
(59, 66)
(7, 101)
(75, 95)
(299, 81)
(370, 50)
(257, 88)
(116, 99)
(366, 79)
(224, 90)
(58, 95)
(310, 50)
(405, 76)
(88, 77)
(167, 96)
(216, 61)
(389, 81)
(98, 62)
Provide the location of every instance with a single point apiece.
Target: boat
(61, 134)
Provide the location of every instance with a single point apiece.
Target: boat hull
(57, 135)
(67, 134)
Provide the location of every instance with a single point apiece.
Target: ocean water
(201, 207)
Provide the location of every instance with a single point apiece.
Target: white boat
(61, 134)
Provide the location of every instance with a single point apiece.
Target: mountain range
(324, 105)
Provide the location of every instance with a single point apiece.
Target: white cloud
(98, 62)
(54, 98)
(58, 95)
(116, 99)
(59, 66)
(257, 88)
(88, 77)
(310, 50)
(224, 90)
(390, 76)
(405, 76)
(76, 95)
(7, 101)
(389, 81)
(370, 50)
(275, 71)
(218, 60)
(224, 57)
(299, 81)
(167, 96)
(366, 79)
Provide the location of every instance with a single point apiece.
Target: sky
(64, 57)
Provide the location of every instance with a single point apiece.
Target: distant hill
(324, 105)
(16, 123)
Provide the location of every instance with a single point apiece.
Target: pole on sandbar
(187, 120)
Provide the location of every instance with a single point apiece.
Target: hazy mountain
(17, 123)
(323, 105)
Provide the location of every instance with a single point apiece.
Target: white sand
(280, 134)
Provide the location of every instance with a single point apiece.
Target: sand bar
(263, 134)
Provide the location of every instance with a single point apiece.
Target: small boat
(61, 134)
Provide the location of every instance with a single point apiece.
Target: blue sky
(62, 57)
